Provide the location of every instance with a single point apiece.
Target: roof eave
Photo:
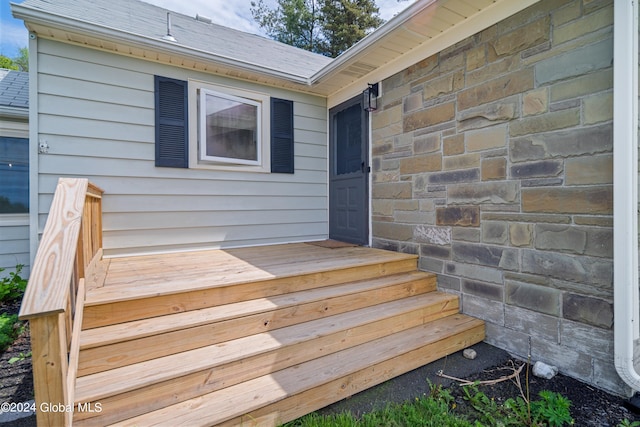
(370, 40)
(35, 16)
(7, 111)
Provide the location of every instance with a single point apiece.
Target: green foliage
(439, 409)
(8, 63)
(552, 409)
(488, 411)
(346, 22)
(423, 412)
(328, 27)
(21, 356)
(294, 22)
(627, 423)
(9, 330)
(12, 286)
(18, 63)
(22, 60)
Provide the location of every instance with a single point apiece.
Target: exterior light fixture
(169, 37)
(370, 97)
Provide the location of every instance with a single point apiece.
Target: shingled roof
(14, 88)
(150, 22)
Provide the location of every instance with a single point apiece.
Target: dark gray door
(348, 173)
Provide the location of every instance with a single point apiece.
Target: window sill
(14, 220)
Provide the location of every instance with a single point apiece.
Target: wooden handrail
(69, 250)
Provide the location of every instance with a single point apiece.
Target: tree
(6, 62)
(328, 27)
(18, 63)
(294, 22)
(22, 60)
(345, 22)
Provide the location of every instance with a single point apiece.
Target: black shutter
(281, 136)
(172, 135)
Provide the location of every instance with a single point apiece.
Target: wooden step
(284, 395)
(134, 389)
(192, 281)
(132, 342)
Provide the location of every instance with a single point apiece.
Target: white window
(230, 129)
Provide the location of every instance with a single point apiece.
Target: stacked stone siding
(492, 160)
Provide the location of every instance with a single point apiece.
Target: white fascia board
(144, 42)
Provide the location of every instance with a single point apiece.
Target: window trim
(202, 127)
(14, 219)
(263, 99)
(11, 216)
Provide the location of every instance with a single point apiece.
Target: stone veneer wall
(493, 161)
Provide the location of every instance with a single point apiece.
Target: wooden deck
(254, 336)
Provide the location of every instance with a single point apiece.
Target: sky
(230, 13)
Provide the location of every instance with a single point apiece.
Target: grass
(425, 411)
(440, 409)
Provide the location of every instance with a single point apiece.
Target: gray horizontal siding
(96, 113)
(14, 248)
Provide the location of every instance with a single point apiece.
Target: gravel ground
(589, 406)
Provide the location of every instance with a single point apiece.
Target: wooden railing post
(70, 248)
(50, 365)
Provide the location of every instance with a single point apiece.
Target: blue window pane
(14, 175)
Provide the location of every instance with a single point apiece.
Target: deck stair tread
(324, 334)
(115, 345)
(233, 269)
(244, 398)
(153, 326)
(155, 301)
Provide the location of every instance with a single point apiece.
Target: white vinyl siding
(97, 116)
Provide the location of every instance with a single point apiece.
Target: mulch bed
(589, 406)
(16, 379)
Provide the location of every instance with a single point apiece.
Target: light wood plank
(48, 289)
(97, 272)
(321, 334)
(49, 360)
(311, 400)
(271, 261)
(132, 342)
(291, 351)
(74, 352)
(106, 314)
(250, 396)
